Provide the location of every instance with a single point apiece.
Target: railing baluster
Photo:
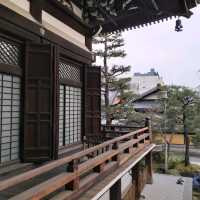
(116, 147)
(73, 167)
(99, 168)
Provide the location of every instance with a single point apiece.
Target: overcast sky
(175, 55)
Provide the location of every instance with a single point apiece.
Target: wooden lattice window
(10, 94)
(10, 52)
(69, 72)
(70, 104)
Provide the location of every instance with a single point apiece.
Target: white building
(142, 83)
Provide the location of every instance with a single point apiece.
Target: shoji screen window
(10, 84)
(70, 103)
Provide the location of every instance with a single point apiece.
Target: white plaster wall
(105, 196)
(58, 27)
(141, 84)
(24, 4)
(126, 181)
(22, 8)
(147, 105)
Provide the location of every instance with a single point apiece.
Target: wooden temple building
(51, 142)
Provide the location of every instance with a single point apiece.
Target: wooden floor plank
(45, 188)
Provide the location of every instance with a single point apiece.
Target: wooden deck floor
(18, 168)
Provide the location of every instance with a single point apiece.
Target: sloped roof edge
(147, 93)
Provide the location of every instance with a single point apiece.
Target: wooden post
(73, 167)
(148, 161)
(148, 124)
(135, 180)
(115, 191)
(99, 168)
(116, 157)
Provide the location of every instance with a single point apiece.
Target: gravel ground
(164, 187)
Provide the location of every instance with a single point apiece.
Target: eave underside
(144, 13)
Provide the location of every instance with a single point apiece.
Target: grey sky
(176, 56)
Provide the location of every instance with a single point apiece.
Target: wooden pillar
(115, 191)
(148, 161)
(88, 42)
(135, 179)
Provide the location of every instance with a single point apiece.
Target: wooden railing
(112, 131)
(83, 169)
(107, 133)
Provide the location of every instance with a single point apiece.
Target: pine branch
(119, 69)
(98, 40)
(114, 46)
(116, 54)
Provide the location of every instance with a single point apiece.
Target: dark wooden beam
(36, 9)
(11, 22)
(115, 191)
(9, 69)
(64, 14)
(88, 42)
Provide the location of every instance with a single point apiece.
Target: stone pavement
(164, 187)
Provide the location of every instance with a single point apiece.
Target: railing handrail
(55, 164)
(121, 126)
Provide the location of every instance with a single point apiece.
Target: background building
(142, 83)
(151, 101)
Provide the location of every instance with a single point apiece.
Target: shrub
(196, 140)
(189, 170)
(174, 161)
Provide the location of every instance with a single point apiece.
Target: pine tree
(183, 113)
(110, 46)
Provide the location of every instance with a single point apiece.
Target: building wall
(129, 187)
(48, 21)
(126, 182)
(143, 82)
(151, 104)
(105, 196)
(40, 53)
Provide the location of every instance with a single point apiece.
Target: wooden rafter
(144, 13)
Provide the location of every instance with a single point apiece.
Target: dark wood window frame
(71, 84)
(8, 68)
(15, 71)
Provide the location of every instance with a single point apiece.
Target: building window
(10, 53)
(10, 92)
(69, 104)
(9, 117)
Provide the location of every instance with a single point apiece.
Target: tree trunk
(106, 94)
(166, 157)
(187, 145)
(186, 139)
